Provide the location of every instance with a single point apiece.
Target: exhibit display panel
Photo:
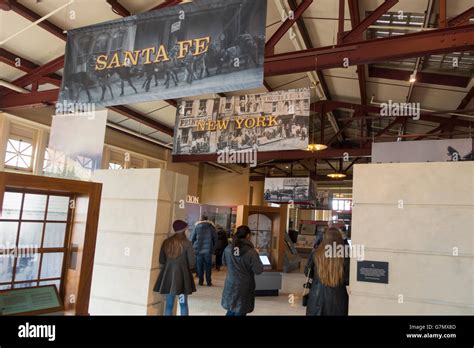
(48, 229)
(415, 221)
(268, 226)
(135, 219)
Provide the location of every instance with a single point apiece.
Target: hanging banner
(289, 190)
(266, 122)
(423, 151)
(190, 49)
(76, 144)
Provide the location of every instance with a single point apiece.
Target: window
(115, 166)
(342, 204)
(19, 154)
(20, 151)
(34, 239)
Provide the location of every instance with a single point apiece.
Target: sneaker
(201, 282)
(210, 284)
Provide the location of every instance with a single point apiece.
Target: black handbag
(307, 285)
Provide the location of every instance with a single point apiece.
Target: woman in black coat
(243, 263)
(329, 270)
(176, 261)
(220, 246)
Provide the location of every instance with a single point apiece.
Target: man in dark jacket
(204, 239)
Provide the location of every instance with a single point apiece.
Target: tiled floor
(207, 300)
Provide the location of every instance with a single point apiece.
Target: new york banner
(191, 49)
(272, 121)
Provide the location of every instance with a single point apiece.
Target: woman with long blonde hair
(328, 268)
(176, 262)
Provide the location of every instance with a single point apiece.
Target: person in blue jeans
(243, 263)
(176, 262)
(204, 239)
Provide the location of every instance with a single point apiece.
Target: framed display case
(51, 225)
(268, 225)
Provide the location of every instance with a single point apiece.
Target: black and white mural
(288, 190)
(272, 121)
(191, 49)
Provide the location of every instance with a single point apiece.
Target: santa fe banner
(190, 49)
(273, 121)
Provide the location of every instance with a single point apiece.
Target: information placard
(30, 301)
(372, 271)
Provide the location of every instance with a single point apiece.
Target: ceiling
(320, 20)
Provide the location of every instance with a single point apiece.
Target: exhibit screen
(265, 260)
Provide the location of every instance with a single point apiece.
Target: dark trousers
(235, 314)
(204, 264)
(218, 261)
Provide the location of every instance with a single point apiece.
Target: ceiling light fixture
(337, 175)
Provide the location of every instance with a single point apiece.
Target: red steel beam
(330, 105)
(118, 8)
(355, 22)
(461, 19)
(421, 76)
(27, 66)
(33, 17)
(18, 100)
(371, 51)
(309, 44)
(386, 129)
(285, 155)
(39, 72)
(356, 33)
(142, 119)
(466, 99)
(340, 21)
(287, 24)
(442, 13)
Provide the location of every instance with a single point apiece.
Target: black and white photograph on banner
(270, 121)
(168, 53)
(296, 190)
(323, 200)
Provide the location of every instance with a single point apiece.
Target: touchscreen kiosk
(268, 283)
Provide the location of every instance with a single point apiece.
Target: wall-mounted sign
(190, 49)
(288, 190)
(423, 151)
(30, 301)
(372, 271)
(267, 122)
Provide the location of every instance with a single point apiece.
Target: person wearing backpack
(243, 263)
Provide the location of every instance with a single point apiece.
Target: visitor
(243, 263)
(176, 261)
(204, 239)
(329, 272)
(220, 247)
